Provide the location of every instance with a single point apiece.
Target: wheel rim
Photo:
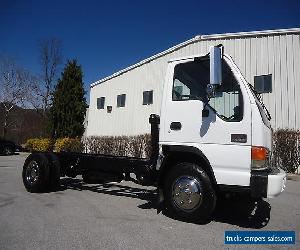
(32, 172)
(186, 193)
(8, 151)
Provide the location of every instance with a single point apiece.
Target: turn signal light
(259, 153)
(259, 157)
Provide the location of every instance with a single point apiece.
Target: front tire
(189, 194)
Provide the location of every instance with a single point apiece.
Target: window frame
(99, 106)
(146, 97)
(173, 84)
(121, 100)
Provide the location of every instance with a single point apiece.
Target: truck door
(224, 133)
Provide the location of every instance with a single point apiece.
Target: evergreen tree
(69, 104)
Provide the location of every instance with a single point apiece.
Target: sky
(106, 36)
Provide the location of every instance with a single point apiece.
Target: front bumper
(267, 184)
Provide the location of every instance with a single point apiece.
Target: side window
(148, 97)
(121, 100)
(180, 90)
(100, 103)
(190, 81)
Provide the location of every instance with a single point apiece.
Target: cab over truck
(198, 151)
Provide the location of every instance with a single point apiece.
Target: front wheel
(188, 193)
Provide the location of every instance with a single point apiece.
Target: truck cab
(222, 127)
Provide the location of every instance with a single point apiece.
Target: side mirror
(263, 84)
(215, 65)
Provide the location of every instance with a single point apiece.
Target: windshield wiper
(258, 96)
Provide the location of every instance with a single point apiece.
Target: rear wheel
(36, 173)
(54, 171)
(8, 150)
(189, 194)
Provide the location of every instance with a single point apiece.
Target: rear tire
(36, 174)
(8, 150)
(189, 195)
(54, 174)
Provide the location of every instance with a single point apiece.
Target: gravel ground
(124, 216)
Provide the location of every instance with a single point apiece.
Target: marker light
(259, 158)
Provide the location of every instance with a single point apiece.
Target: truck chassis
(186, 192)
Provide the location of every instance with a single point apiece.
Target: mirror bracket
(205, 112)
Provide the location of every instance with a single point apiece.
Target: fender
(178, 153)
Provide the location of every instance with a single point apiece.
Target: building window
(121, 100)
(148, 97)
(100, 102)
(263, 83)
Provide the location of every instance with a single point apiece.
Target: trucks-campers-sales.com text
(259, 237)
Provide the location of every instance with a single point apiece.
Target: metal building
(275, 52)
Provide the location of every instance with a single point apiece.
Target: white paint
(230, 163)
(276, 184)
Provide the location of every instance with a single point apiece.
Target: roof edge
(252, 33)
(198, 38)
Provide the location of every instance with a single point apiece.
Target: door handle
(175, 125)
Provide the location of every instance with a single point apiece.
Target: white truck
(213, 135)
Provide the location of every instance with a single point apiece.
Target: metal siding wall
(291, 82)
(296, 66)
(277, 93)
(133, 118)
(278, 55)
(271, 68)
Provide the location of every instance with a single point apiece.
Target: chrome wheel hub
(32, 172)
(186, 193)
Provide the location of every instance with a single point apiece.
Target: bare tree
(14, 82)
(50, 60)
